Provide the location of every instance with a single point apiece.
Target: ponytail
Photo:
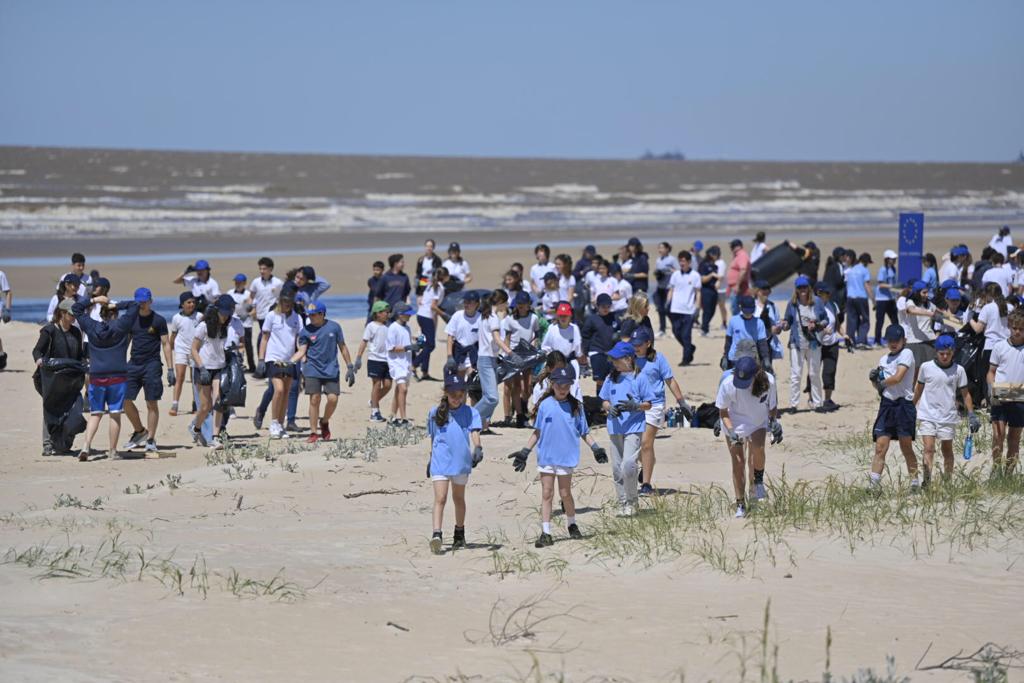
(760, 384)
(441, 414)
(212, 320)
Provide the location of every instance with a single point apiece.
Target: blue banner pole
(911, 239)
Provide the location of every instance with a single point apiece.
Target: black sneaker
(459, 538)
(48, 450)
(574, 532)
(488, 432)
(435, 543)
(544, 541)
(257, 419)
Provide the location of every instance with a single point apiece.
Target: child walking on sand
(748, 408)
(401, 349)
(558, 425)
(1006, 365)
(938, 383)
(375, 343)
(893, 378)
(453, 426)
(626, 396)
(183, 329)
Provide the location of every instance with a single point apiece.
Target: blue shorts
(1010, 413)
(895, 419)
(149, 378)
(107, 399)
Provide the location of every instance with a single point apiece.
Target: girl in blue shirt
(886, 293)
(626, 396)
(656, 370)
(559, 423)
(452, 426)
(745, 326)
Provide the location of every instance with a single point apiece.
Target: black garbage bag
(969, 347)
(705, 416)
(523, 357)
(232, 382)
(61, 382)
(777, 264)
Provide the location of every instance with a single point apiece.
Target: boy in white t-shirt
(375, 343)
(938, 382)
(401, 348)
(182, 330)
(1006, 366)
(893, 378)
(683, 303)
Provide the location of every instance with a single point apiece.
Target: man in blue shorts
(145, 371)
(319, 343)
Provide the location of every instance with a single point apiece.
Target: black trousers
(250, 357)
(661, 303)
(882, 309)
(708, 304)
(829, 362)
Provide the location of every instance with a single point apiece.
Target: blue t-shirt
(450, 453)
(322, 352)
(857, 282)
(888, 276)
(743, 328)
(656, 372)
(621, 389)
(560, 433)
(930, 277)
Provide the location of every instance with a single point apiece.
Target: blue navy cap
(521, 298)
(894, 333)
(747, 303)
(225, 304)
(240, 277)
(142, 295)
(743, 373)
(472, 296)
(603, 299)
(454, 381)
(640, 335)
(622, 350)
(563, 375)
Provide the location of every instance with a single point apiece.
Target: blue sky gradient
(914, 80)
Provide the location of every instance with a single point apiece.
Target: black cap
(454, 246)
(184, 296)
(735, 243)
(633, 242)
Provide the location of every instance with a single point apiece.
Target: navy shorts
(377, 369)
(282, 369)
(1010, 413)
(895, 419)
(600, 365)
(148, 378)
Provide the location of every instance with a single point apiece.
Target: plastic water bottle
(969, 447)
(671, 417)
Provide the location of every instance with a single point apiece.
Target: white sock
(545, 527)
(569, 521)
(876, 477)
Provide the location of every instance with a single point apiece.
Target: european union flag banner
(911, 249)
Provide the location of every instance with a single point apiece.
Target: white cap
(889, 253)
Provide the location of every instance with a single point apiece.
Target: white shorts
(656, 415)
(944, 431)
(457, 479)
(744, 430)
(399, 372)
(557, 470)
(182, 358)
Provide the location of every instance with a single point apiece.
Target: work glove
(974, 422)
(585, 371)
(519, 459)
(357, 364)
(600, 455)
(613, 411)
(724, 363)
(877, 380)
(630, 405)
(478, 455)
(731, 437)
(171, 379)
(7, 315)
(350, 375)
(413, 348)
(205, 377)
(717, 429)
(685, 410)
(261, 370)
(450, 365)
(776, 429)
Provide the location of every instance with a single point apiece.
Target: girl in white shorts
(183, 329)
(559, 423)
(938, 383)
(401, 350)
(453, 426)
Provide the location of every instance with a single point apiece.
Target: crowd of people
(595, 318)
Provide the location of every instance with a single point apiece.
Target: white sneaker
(759, 492)
(660, 334)
(626, 511)
(276, 430)
(741, 510)
(215, 444)
(151, 446)
(137, 440)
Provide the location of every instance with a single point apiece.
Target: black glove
(205, 377)
(357, 364)
(413, 348)
(877, 380)
(613, 411)
(685, 410)
(350, 375)
(585, 371)
(171, 379)
(776, 428)
(261, 370)
(7, 315)
(450, 365)
(973, 422)
(519, 459)
(724, 363)
(428, 469)
(190, 269)
(630, 405)
(600, 455)
(478, 455)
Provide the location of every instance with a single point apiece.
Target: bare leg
(547, 495)
(133, 415)
(90, 429)
(907, 447)
(739, 475)
(459, 498)
(152, 418)
(115, 431)
(881, 448)
(948, 465)
(401, 391)
(998, 439)
(179, 384)
(1012, 449)
(565, 493)
(929, 455)
(647, 452)
(205, 404)
(440, 498)
(332, 404)
(314, 412)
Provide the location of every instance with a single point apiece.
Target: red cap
(563, 309)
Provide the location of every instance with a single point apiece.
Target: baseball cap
(949, 284)
(379, 306)
(316, 307)
(735, 243)
(590, 249)
(919, 286)
(308, 272)
(101, 282)
(71, 278)
(472, 295)
(550, 276)
(184, 296)
(407, 310)
(66, 304)
(521, 298)
(888, 253)
(454, 381)
(823, 288)
(747, 303)
(945, 342)
(957, 251)
(614, 268)
(454, 246)
(563, 308)
(762, 284)
(202, 264)
(802, 281)
(639, 336)
(894, 333)
(142, 294)
(622, 350)
(953, 294)
(561, 376)
(240, 277)
(698, 245)
(633, 242)
(604, 300)
(743, 373)
(810, 245)
(225, 304)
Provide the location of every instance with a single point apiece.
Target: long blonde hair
(637, 305)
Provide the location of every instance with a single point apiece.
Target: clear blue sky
(894, 80)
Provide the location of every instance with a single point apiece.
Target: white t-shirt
(918, 328)
(564, 284)
(684, 288)
(1000, 243)
(722, 269)
(996, 329)
(375, 335)
(1009, 362)
(747, 412)
(1001, 275)
(567, 340)
(941, 386)
(284, 332)
(211, 351)
(488, 347)
(398, 335)
(428, 298)
(625, 291)
(210, 289)
(458, 270)
(241, 304)
(466, 330)
(828, 335)
(5, 287)
(949, 271)
(236, 333)
(184, 327)
(537, 273)
(548, 302)
(599, 285)
(264, 294)
(522, 329)
(757, 251)
(890, 363)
